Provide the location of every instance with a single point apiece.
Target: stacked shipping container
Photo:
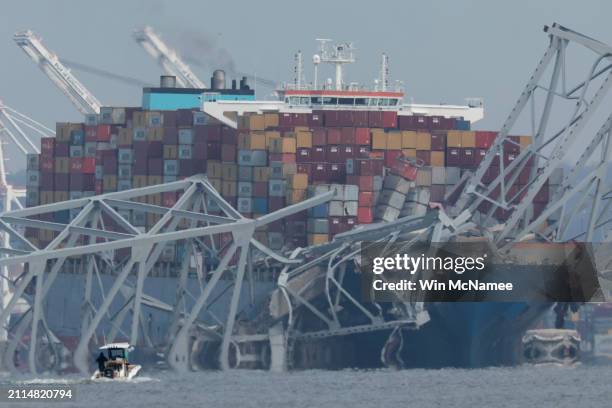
(380, 166)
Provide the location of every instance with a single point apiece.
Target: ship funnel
(218, 79)
(167, 81)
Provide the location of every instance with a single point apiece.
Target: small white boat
(551, 346)
(113, 363)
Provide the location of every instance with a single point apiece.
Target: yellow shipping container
(299, 181)
(423, 141)
(409, 153)
(228, 188)
(229, 171)
(253, 141)
(394, 140)
(214, 169)
(154, 180)
(155, 134)
(154, 199)
(409, 139)
(294, 196)
(261, 173)
(109, 183)
(453, 138)
(468, 139)
(257, 122)
(271, 135)
(216, 183)
(288, 145)
(524, 141)
(62, 165)
(270, 120)
(317, 239)
(437, 158)
(60, 196)
(170, 152)
(304, 139)
(379, 139)
(138, 119)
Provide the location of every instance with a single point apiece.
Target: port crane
(89, 239)
(167, 58)
(57, 72)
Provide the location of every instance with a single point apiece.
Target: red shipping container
(62, 149)
(375, 119)
(421, 122)
(212, 133)
(228, 153)
(213, 150)
(437, 193)
(345, 118)
(485, 139)
(98, 187)
(336, 226)
(333, 154)
(509, 157)
(319, 137)
(336, 172)
(542, 196)
(406, 122)
(468, 157)
(319, 172)
(260, 189)
(436, 122)
(365, 183)
(229, 135)
(480, 155)
(169, 198)
(360, 118)
(334, 136)
(318, 154)
(103, 133)
(524, 175)
(89, 165)
(389, 119)
(366, 199)
(405, 169)
(348, 135)
(364, 215)
(348, 151)
(76, 165)
(171, 136)
(47, 145)
(155, 167)
(363, 151)
(61, 182)
(199, 151)
(303, 155)
(449, 123)
(490, 175)
(315, 118)
(424, 157)
(362, 136)
(391, 157)
(304, 168)
(282, 157)
(91, 133)
(512, 145)
(331, 118)
(438, 141)
(47, 182)
(47, 164)
(453, 157)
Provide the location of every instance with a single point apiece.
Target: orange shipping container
(525, 141)
(270, 120)
(423, 141)
(257, 122)
(409, 153)
(437, 158)
(409, 139)
(394, 140)
(299, 181)
(379, 139)
(468, 139)
(453, 138)
(288, 145)
(304, 139)
(317, 239)
(271, 135)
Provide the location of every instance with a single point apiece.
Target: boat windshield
(114, 354)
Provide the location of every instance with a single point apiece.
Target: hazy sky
(443, 51)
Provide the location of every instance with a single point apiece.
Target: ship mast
(338, 54)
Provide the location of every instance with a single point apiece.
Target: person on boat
(101, 360)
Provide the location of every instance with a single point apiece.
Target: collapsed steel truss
(100, 227)
(552, 148)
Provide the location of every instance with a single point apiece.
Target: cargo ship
(388, 159)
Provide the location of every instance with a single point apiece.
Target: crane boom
(61, 76)
(167, 58)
